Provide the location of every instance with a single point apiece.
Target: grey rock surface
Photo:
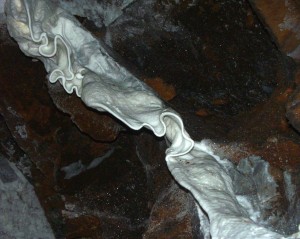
(21, 215)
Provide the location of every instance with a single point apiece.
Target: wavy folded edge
(56, 74)
(172, 127)
(181, 141)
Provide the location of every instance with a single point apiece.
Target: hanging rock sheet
(75, 58)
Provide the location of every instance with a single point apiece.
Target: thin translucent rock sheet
(73, 57)
(200, 173)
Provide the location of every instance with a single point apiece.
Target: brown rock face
(111, 201)
(46, 135)
(165, 91)
(87, 120)
(174, 215)
(293, 105)
(84, 227)
(39, 129)
(214, 63)
(283, 19)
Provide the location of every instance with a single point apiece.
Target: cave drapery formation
(76, 59)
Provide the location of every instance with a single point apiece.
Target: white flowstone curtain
(76, 59)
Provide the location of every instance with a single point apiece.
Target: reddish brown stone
(118, 193)
(283, 20)
(281, 153)
(293, 105)
(281, 161)
(293, 113)
(83, 227)
(37, 126)
(164, 90)
(266, 132)
(297, 77)
(265, 120)
(100, 126)
(220, 101)
(250, 21)
(202, 112)
(174, 215)
(46, 135)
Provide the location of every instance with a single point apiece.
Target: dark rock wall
(213, 61)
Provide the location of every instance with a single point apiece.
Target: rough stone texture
(115, 193)
(166, 91)
(84, 227)
(293, 106)
(116, 197)
(207, 59)
(174, 215)
(21, 213)
(265, 131)
(271, 191)
(213, 62)
(263, 184)
(282, 17)
(30, 114)
(46, 135)
(99, 126)
(173, 211)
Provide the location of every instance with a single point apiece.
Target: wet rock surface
(216, 64)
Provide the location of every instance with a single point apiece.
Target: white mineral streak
(100, 12)
(76, 59)
(78, 167)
